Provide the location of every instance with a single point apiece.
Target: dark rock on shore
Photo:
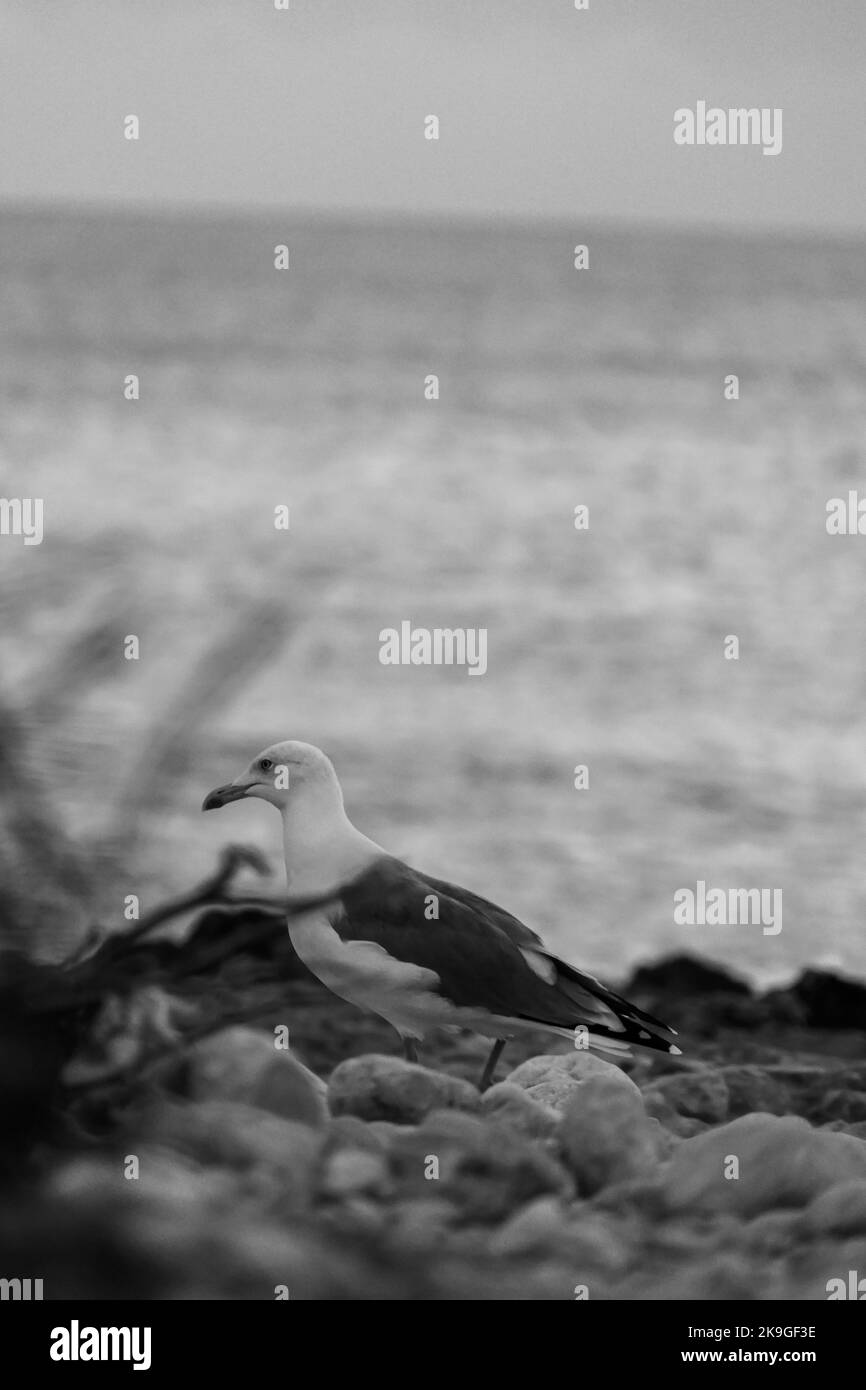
(826, 1000)
(684, 977)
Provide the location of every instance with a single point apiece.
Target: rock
(355, 1173)
(700, 1094)
(360, 1215)
(772, 1233)
(841, 1210)
(598, 1244)
(841, 1104)
(537, 1226)
(720, 1276)
(384, 1131)
(683, 976)
(241, 1064)
(752, 1088)
(605, 1134)
(377, 1087)
(281, 1155)
(164, 1179)
(660, 1108)
(484, 1169)
(818, 1093)
(511, 1105)
(641, 1194)
(837, 1094)
(420, 1225)
(797, 1073)
(694, 996)
(664, 1141)
(552, 1080)
(781, 1007)
(828, 1000)
(782, 1163)
(348, 1132)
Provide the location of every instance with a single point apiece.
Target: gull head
(284, 774)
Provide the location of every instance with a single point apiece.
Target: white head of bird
(321, 844)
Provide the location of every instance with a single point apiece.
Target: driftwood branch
(89, 975)
(211, 890)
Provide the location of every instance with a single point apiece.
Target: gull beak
(221, 796)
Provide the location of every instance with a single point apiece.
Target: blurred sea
(558, 387)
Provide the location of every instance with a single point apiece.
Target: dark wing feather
(517, 931)
(575, 983)
(475, 948)
(478, 964)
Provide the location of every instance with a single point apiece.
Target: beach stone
(605, 1134)
(283, 1153)
(752, 1088)
(721, 1276)
(348, 1132)
(772, 1233)
(420, 1225)
(484, 1169)
(598, 1244)
(841, 1210)
(360, 1216)
(377, 1087)
(841, 1097)
(539, 1225)
(660, 1109)
(384, 1131)
(663, 1140)
(553, 1079)
(241, 1064)
(166, 1181)
(701, 1094)
(511, 1105)
(350, 1173)
(783, 1162)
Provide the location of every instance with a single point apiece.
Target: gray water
(557, 387)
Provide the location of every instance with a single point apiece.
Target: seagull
(418, 951)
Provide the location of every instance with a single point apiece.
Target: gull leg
(410, 1050)
(490, 1065)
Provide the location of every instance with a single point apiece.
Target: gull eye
(265, 764)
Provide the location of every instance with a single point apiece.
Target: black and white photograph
(433, 684)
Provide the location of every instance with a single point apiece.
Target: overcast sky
(544, 110)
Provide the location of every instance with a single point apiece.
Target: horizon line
(409, 217)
